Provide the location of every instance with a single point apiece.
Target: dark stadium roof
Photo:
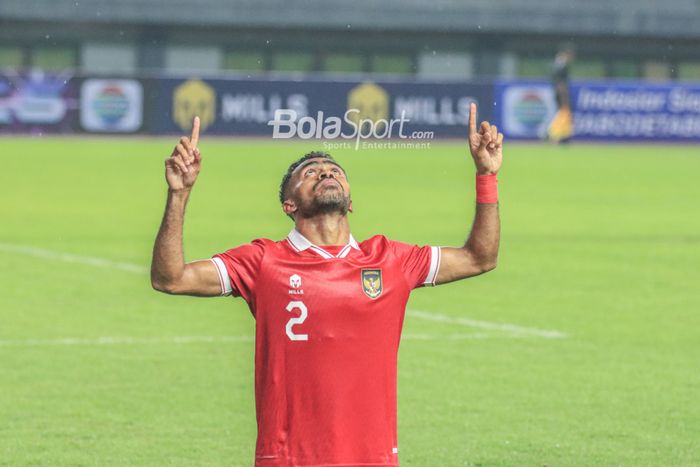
(671, 18)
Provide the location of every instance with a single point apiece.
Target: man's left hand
(486, 145)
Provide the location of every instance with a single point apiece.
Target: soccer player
(561, 129)
(328, 308)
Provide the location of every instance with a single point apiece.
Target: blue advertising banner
(524, 108)
(603, 110)
(316, 109)
(37, 102)
(637, 111)
(111, 105)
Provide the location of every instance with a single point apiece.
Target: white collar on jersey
(300, 243)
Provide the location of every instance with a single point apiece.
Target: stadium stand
(652, 39)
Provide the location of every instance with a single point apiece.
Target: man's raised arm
(169, 273)
(480, 252)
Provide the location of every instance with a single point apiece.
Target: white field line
(513, 329)
(504, 327)
(179, 340)
(71, 258)
(123, 340)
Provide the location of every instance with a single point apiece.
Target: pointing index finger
(472, 118)
(195, 132)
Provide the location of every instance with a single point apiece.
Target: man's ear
(289, 207)
(350, 206)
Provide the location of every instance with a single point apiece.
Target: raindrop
(434, 52)
(349, 26)
(267, 41)
(478, 26)
(48, 36)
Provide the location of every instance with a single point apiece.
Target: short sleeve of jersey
(238, 269)
(420, 265)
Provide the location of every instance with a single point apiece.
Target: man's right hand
(185, 162)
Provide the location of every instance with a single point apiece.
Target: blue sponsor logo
(530, 110)
(111, 105)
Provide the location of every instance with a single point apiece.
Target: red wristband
(486, 189)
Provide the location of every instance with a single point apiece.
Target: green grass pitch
(600, 243)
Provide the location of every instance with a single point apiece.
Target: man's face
(318, 186)
(567, 56)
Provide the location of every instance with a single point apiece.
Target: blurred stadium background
(442, 39)
(582, 348)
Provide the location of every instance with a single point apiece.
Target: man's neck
(324, 230)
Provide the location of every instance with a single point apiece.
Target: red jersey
(328, 324)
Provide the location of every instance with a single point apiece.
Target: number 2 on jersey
(292, 321)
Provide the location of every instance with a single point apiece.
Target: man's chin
(328, 206)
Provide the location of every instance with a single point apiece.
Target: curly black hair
(297, 163)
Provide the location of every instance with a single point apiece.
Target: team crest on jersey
(372, 282)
